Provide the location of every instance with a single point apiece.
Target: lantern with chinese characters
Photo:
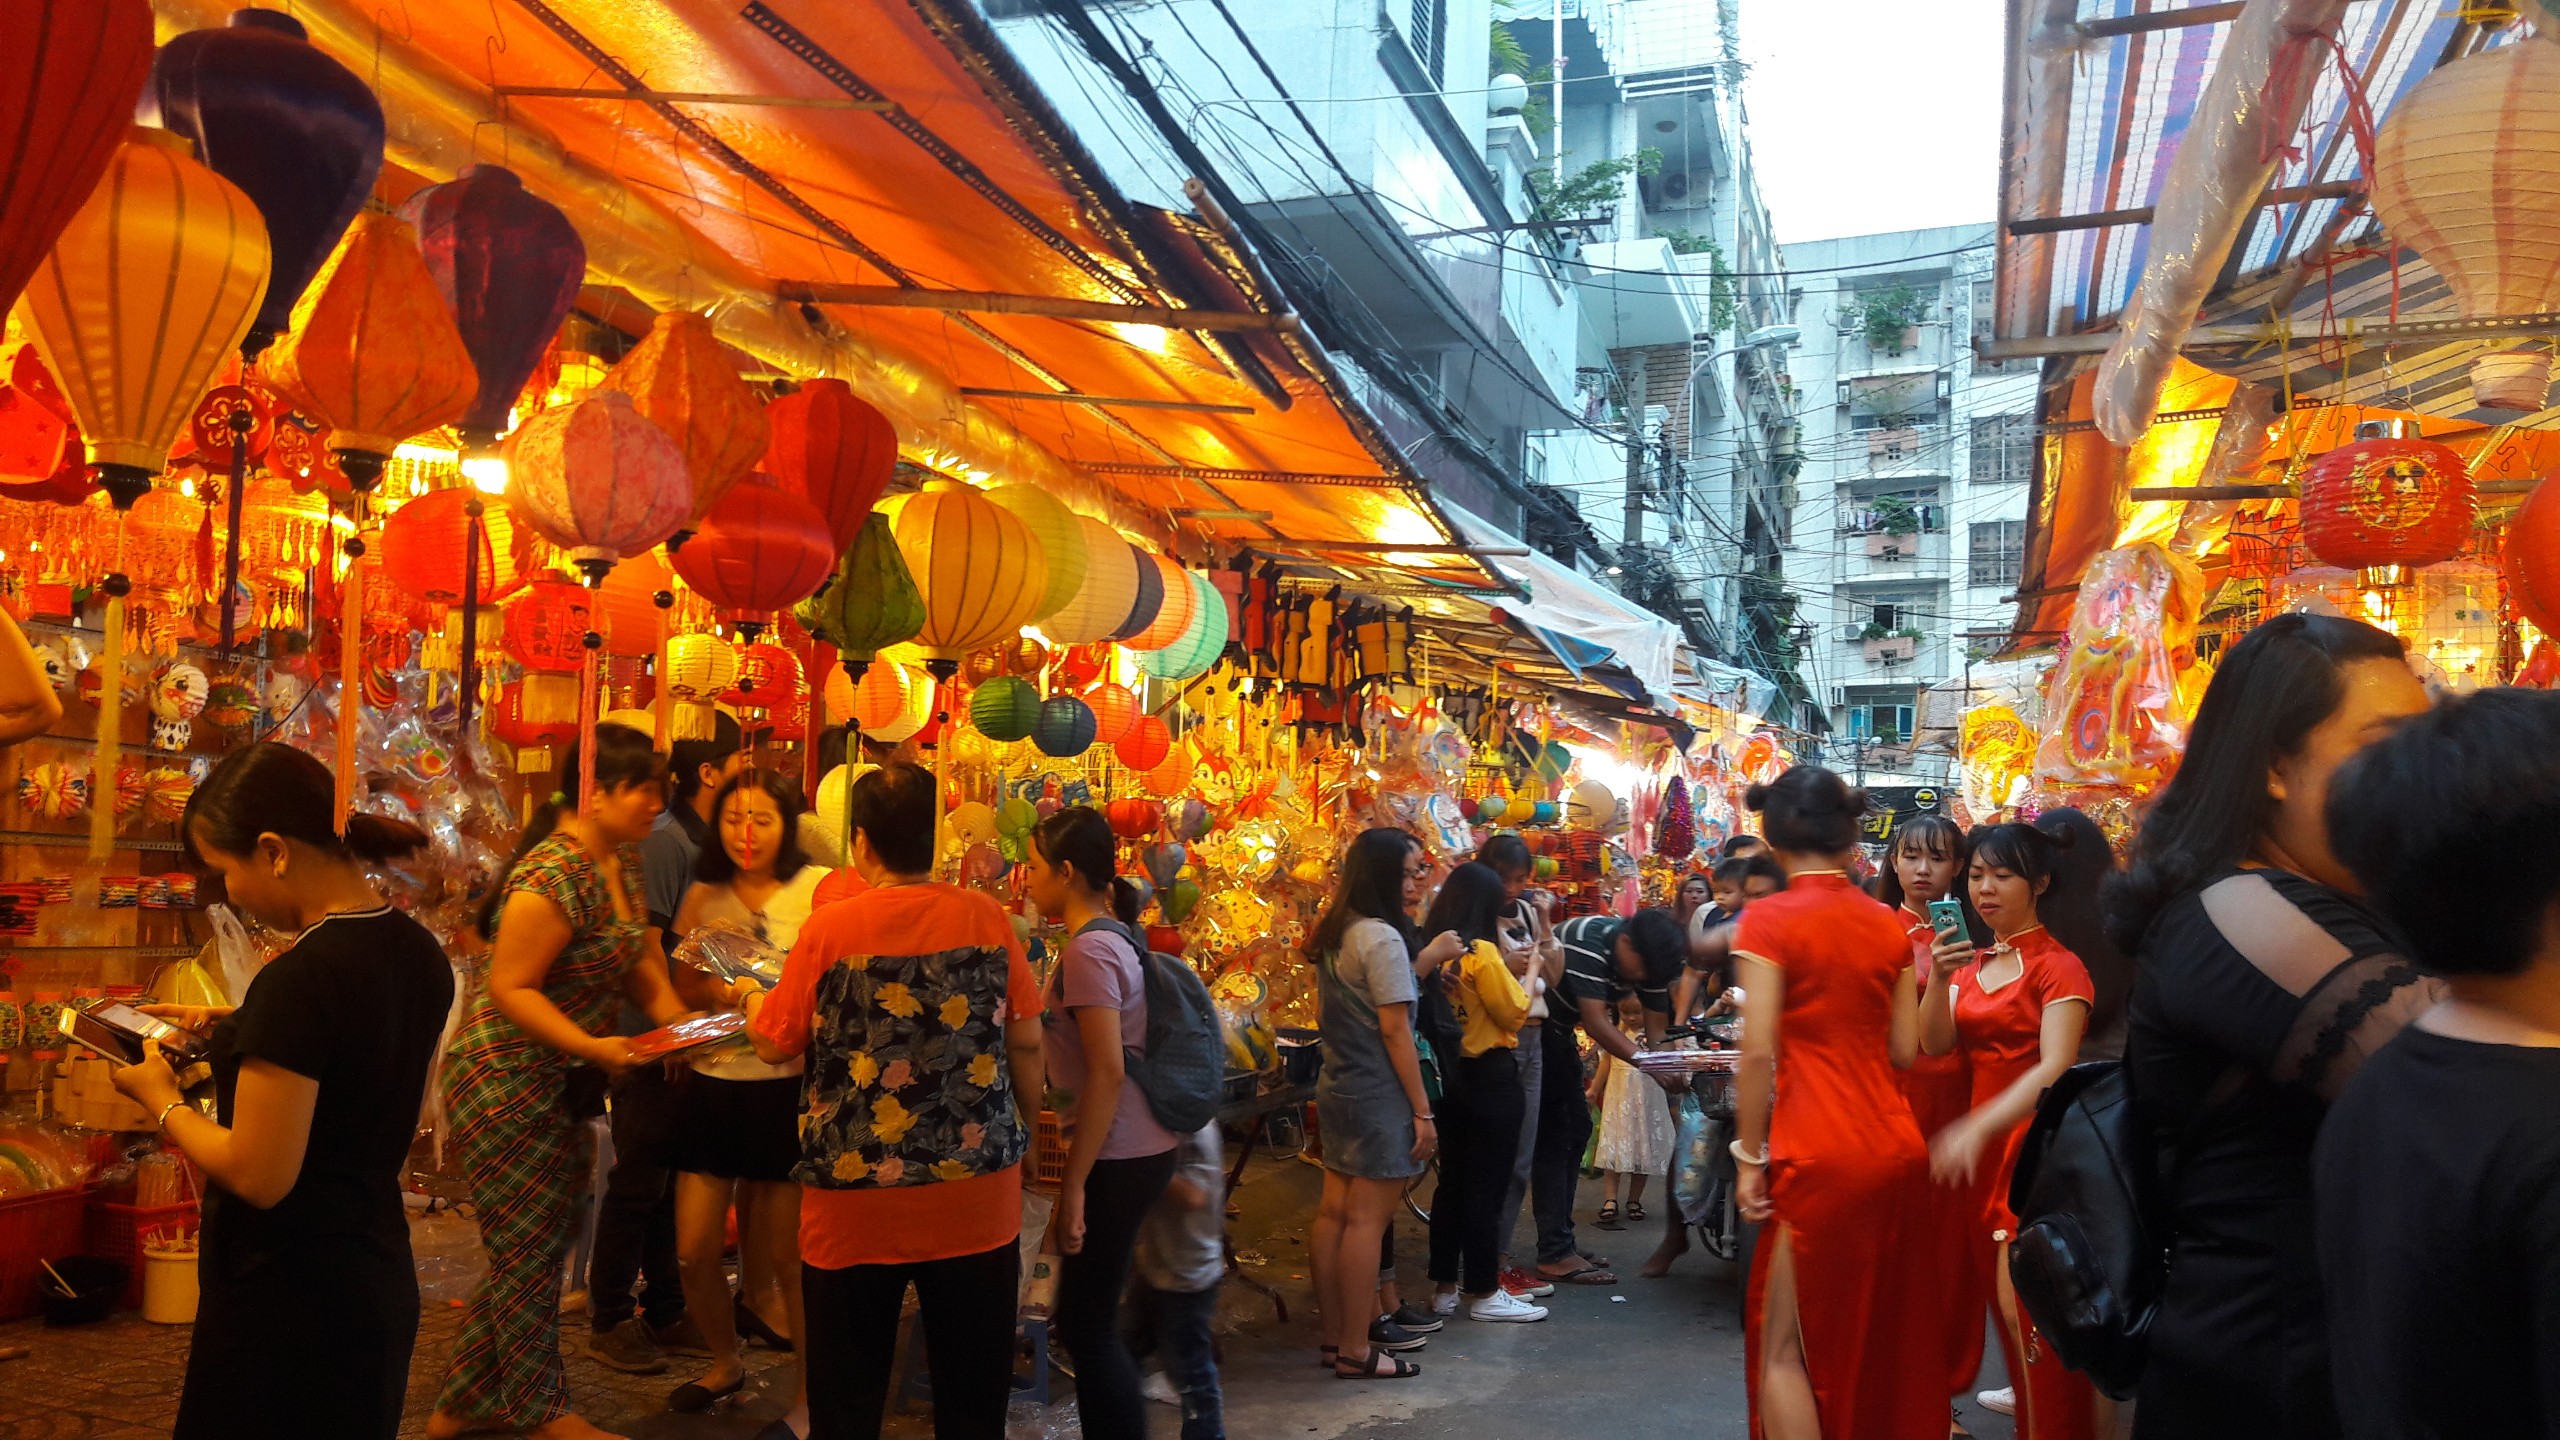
(598, 480)
(150, 286)
(1202, 641)
(1005, 708)
(1110, 586)
(977, 567)
(1145, 744)
(2533, 559)
(2383, 506)
(1061, 540)
(509, 264)
(768, 676)
(1115, 710)
(759, 550)
(681, 377)
(833, 451)
(61, 122)
(374, 353)
(547, 625)
(276, 116)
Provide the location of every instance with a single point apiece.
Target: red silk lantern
(508, 263)
(1145, 744)
(427, 540)
(2533, 558)
(1165, 939)
(2382, 503)
(634, 622)
(759, 549)
(832, 450)
(768, 677)
(1115, 712)
(69, 73)
(680, 377)
(510, 721)
(598, 479)
(1132, 818)
(546, 626)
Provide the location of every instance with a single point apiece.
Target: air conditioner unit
(1675, 187)
(1839, 695)
(1844, 394)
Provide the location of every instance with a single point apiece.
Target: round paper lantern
(832, 450)
(546, 625)
(978, 568)
(1005, 708)
(760, 549)
(61, 122)
(373, 354)
(1065, 728)
(1115, 712)
(680, 377)
(1061, 541)
(2533, 558)
(1145, 744)
(2466, 171)
(508, 265)
(1492, 808)
(1101, 602)
(597, 479)
(634, 621)
(150, 286)
(274, 115)
(768, 677)
(700, 667)
(912, 719)
(972, 822)
(1133, 818)
(1173, 775)
(835, 790)
(884, 695)
(1156, 596)
(1016, 818)
(871, 604)
(426, 542)
(2380, 503)
(1024, 656)
(1590, 806)
(1202, 641)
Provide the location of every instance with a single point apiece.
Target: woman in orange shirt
(2016, 1011)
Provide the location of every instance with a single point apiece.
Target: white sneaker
(1157, 1388)
(2003, 1401)
(1444, 1302)
(1501, 1305)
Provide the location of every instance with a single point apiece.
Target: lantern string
(587, 727)
(470, 620)
(350, 682)
(231, 542)
(102, 763)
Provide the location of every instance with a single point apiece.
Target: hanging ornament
(60, 122)
(149, 288)
(374, 354)
(759, 549)
(1024, 656)
(508, 264)
(1061, 538)
(1676, 833)
(681, 377)
(872, 602)
(2381, 506)
(541, 726)
(54, 790)
(1005, 708)
(597, 480)
(1115, 712)
(700, 667)
(1102, 601)
(1202, 641)
(977, 567)
(546, 624)
(290, 126)
(1163, 862)
(1064, 729)
(2532, 561)
(832, 450)
(768, 677)
(1146, 743)
(1132, 818)
(1177, 900)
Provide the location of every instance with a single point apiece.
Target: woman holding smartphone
(309, 1306)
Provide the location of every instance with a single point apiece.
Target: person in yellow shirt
(1479, 1006)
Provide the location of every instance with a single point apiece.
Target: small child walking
(1636, 1131)
(1182, 1258)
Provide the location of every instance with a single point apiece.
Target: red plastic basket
(116, 1231)
(45, 1225)
(1049, 1150)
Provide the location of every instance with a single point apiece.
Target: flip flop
(1586, 1275)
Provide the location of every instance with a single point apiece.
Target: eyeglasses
(1417, 873)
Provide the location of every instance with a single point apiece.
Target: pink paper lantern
(598, 479)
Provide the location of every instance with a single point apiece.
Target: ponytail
(272, 789)
(1124, 901)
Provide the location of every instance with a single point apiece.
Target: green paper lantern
(1065, 727)
(1005, 708)
(872, 602)
(1201, 642)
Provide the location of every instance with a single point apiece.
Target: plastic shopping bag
(1693, 1160)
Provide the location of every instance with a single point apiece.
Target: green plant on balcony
(1724, 289)
(1911, 633)
(1884, 313)
(1896, 516)
(1597, 184)
(1875, 631)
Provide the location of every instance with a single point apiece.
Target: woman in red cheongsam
(1838, 1338)
(2016, 1012)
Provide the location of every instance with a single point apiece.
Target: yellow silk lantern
(1061, 540)
(374, 352)
(145, 295)
(1103, 597)
(979, 568)
(680, 376)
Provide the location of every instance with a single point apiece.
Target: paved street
(1645, 1358)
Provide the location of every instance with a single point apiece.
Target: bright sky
(1874, 115)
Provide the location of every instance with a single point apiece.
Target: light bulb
(487, 473)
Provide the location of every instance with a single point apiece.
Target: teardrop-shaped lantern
(1061, 541)
(509, 264)
(597, 480)
(146, 293)
(1109, 588)
(274, 115)
(680, 376)
(872, 603)
(69, 72)
(979, 569)
(374, 353)
(2466, 171)
(760, 549)
(832, 450)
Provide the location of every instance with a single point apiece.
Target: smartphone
(1947, 918)
(118, 1031)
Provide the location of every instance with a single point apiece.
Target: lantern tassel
(470, 620)
(350, 683)
(102, 762)
(231, 541)
(587, 725)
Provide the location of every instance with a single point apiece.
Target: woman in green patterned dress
(571, 943)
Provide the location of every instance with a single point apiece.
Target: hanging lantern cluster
(2385, 506)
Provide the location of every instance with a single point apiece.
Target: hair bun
(1757, 797)
(2058, 836)
(378, 837)
(1854, 797)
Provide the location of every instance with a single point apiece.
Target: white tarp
(1565, 602)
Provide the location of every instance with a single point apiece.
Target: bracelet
(1745, 1156)
(161, 1121)
(1432, 1118)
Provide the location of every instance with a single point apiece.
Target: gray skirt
(1371, 1138)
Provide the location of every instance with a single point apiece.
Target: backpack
(1183, 1073)
(2090, 1258)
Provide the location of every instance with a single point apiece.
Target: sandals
(1608, 1219)
(1581, 1275)
(691, 1398)
(1326, 1355)
(1380, 1365)
(1635, 1209)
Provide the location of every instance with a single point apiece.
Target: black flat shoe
(692, 1399)
(752, 1326)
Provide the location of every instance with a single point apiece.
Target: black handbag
(582, 1092)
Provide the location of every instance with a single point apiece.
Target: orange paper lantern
(1173, 775)
(628, 601)
(1115, 712)
(680, 376)
(1143, 746)
(2533, 558)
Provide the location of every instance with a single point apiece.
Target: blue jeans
(1175, 1325)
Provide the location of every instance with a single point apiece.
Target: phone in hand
(1947, 918)
(118, 1032)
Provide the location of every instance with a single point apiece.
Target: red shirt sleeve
(1761, 933)
(784, 1019)
(2058, 975)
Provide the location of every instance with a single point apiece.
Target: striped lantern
(374, 353)
(61, 122)
(1146, 744)
(832, 450)
(628, 601)
(760, 549)
(1201, 643)
(597, 479)
(1101, 602)
(1005, 708)
(681, 377)
(1115, 711)
(2466, 171)
(1064, 729)
(1146, 600)
(1173, 617)
(142, 298)
(1173, 774)
(877, 699)
(1061, 541)
(978, 568)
